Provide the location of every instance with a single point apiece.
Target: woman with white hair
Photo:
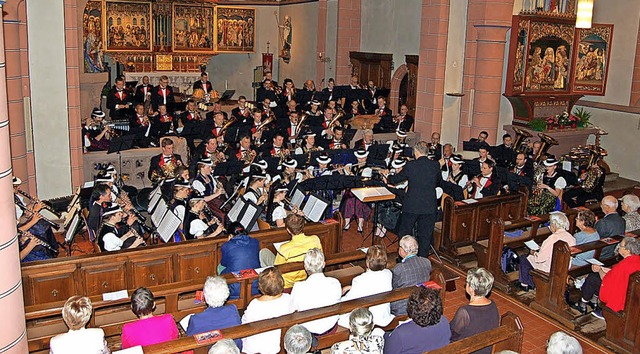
(76, 314)
(630, 205)
(216, 315)
(297, 340)
(224, 346)
(541, 259)
(562, 343)
(363, 337)
(481, 314)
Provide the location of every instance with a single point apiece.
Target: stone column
(348, 39)
(322, 40)
(432, 65)
(634, 100)
(18, 92)
(73, 41)
(13, 332)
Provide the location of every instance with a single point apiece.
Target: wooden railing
(95, 274)
(464, 224)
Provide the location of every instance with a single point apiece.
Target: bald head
(609, 204)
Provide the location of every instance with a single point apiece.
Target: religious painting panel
(549, 55)
(127, 26)
(92, 37)
(593, 47)
(193, 28)
(235, 29)
(520, 55)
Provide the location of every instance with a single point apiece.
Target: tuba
(522, 135)
(593, 172)
(547, 142)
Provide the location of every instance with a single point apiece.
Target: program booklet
(208, 337)
(532, 245)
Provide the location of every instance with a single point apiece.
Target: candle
(226, 85)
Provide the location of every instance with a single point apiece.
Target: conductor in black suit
(419, 206)
(204, 83)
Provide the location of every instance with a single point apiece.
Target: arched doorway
(403, 92)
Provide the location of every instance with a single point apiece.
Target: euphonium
(336, 120)
(521, 137)
(547, 142)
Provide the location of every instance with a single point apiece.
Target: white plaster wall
(330, 41)
(624, 15)
(454, 71)
(47, 69)
(391, 26)
(237, 69)
(302, 65)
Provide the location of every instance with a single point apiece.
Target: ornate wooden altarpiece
(164, 35)
(552, 64)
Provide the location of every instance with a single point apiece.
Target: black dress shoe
(579, 308)
(523, 287)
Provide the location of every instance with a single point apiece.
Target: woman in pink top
(149, 329)
(541, 259)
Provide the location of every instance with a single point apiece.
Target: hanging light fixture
(584, 14)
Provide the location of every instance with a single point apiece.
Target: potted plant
(563, 120)
(538, 124)
(552, 122)
(583, 116)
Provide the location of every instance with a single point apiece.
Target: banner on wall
(267, 63)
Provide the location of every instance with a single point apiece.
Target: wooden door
(196, 265)
(486, 213)
(56, 285)
(372, 66)
(150, 271)
(412, 83)
(100, 278)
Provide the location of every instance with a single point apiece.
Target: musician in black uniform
(192, 122)
(204, 83)
(115, 235)
(504, 154)
(523, 171)
(158, 163)
(180, 203)
(141, 127)
(419, 205)
(404, 121)
(366, 141)
(242, 112)
(119, 101)
(163, 94)
(100, 196)
(385, 124)
(163, 122)
(198, 224)
(208, 188)
(143, 91)
(266, 91)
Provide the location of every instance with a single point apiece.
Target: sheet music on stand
(245, 212)
(373, 194)
(155, 198)
(168, 226)
(315, 207)
(298, 197)
(158, 214)
(73, 227)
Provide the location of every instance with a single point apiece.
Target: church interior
(143, 137)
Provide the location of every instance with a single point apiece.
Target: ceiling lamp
(584, 13)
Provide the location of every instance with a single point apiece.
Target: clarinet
(40, 242)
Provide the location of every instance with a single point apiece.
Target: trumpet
(36, 200)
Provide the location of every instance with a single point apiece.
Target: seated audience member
(239, 253)
(428, 328)
(611, 284)
(611, 224)
(216, 315)
(376, 279)
(76, 314)
(297, 340)
(148, 329)
(363, 339)
(272, 303)
(411, 271)
(562, 343)
(481, 314)
(487, 183)
(541, 259)
(317, 291)
(630, 205)
(224, 346)
(585, 221)
(294, 250)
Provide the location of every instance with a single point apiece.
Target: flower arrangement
(583, 117)
(562, 121)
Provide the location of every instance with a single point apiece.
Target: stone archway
(394, 95)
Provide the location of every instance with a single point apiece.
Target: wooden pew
(508, 336)
(44, 320)
(95, 274)
(489, 252)
(550, 287)
(285, 322)
(623, 328)
(464, 224)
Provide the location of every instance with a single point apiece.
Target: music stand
(70, 234)
(378, 151)
(227, 94)
(228, 168)
(348, 136)
(119, 144)
(375, 195)
(245, 212)
(234, 133)
(315, 207)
